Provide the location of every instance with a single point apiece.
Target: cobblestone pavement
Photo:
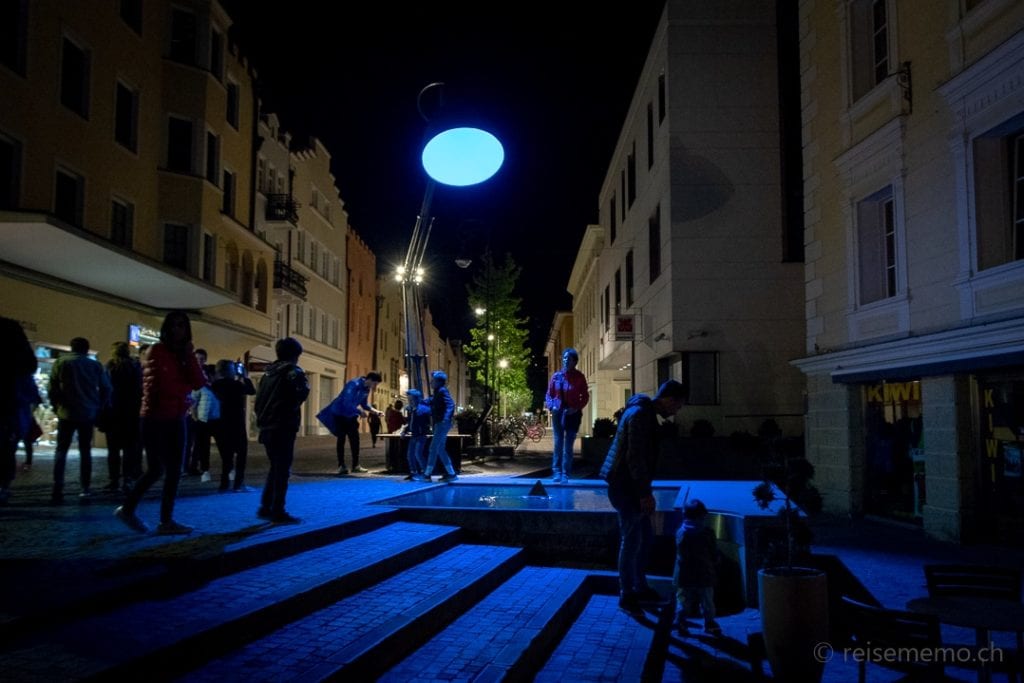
(52, 555)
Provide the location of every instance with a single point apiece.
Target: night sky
(553, 86)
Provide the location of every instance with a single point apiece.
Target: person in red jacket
(169, 374)
(567, 396)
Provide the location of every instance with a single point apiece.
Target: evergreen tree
(492, 291)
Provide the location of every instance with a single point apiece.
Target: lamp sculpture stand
(458, 156)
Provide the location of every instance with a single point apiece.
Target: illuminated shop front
(894, 484)
(1000, 488)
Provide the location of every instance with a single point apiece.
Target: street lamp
(502, 366)
(458, 156)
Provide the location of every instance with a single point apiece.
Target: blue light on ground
(463, 156)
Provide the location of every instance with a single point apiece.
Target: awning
(967, 349)
(42, 243)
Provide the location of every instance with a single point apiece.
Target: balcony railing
(289, 280)
(282, 207)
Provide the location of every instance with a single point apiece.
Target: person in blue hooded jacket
(629, 470)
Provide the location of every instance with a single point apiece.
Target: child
(417, 427)
(694, 576)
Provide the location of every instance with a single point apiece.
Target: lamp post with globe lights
(457, 156)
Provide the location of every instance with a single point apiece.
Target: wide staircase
(365, 600)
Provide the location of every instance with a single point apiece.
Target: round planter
(794, 619)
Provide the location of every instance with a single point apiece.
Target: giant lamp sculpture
(458, 156)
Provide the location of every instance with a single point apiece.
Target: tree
(492, 292)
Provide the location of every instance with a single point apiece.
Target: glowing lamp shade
(462, 156)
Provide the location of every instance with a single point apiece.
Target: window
(613, 220)
(261, 172)
(122, 221)
(126, 116)
(869, 41)
(217, 54)
(74, 78)
(700, 377)
(654, 242)
(314, 254)
(183, 36)
(607, 308)
(661, 97)
(209, 269)
(298, 319)
(176, 246)
(10, 172)
(650, 135)
(622, 177)
(301, 246)
(13, 29)
(179, 145)
(131, 14)
(631, 175)
(629, 278)
(69, 191)
(618, 291)
(232, 109)
(323, 328)
(999, 194)
(876, 246)
(231, 269)
(212, 157)
(229, 193)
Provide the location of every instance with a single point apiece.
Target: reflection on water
(513, 497)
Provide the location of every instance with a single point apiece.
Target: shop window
(122, 222)
(183, 36)
(654, 243)
(876, 247)
(894, 449)
(869, 45)
(131, 14)
(10, 172)
(69, 195)
(176, 246)
(1000, 482)
(179, 145)
(126, 116)
(74, 78)
(13, 30)
(700, 377)
(999, 194)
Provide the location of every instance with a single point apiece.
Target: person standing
(442, 409)
(393, 418)
(374, 421)
(79, 390)
(566, 397)
(170, 372)
(694, 575)
(278, 408)
(346, 409)
(231, 386)
(124, 457)
(16, 388)
(629, 469)
(419, 426)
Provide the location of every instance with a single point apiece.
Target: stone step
(507, 635)
(174, 566)
(175, 634)
(363, 635)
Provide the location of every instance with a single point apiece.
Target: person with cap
(417, 428)
(629, 470)
(694, 575)
(442, 409)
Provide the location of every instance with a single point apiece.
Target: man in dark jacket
(629, 469)
(278, 415)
